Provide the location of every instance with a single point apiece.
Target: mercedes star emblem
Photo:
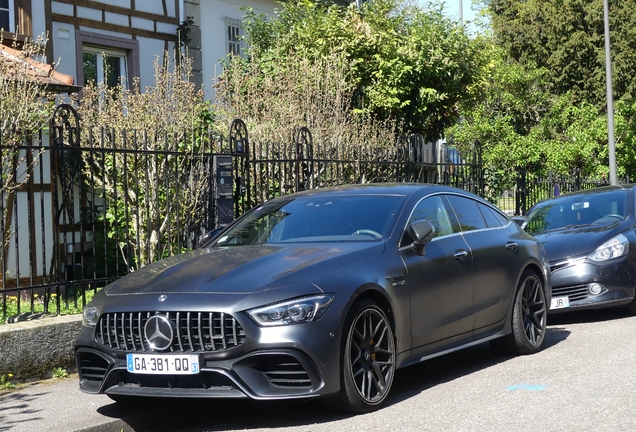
(159, 332)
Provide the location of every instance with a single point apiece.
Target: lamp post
(610, 99)
(461, 13)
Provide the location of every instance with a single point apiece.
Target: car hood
(243, 269)
(574, 242)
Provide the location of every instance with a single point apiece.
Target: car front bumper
(296, 361)
(575, 280)
(276, 374)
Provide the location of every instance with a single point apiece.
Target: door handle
(460, 254)
(512, 246)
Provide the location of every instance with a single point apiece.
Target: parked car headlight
(297, 311)
(90, 315)
(613, 248)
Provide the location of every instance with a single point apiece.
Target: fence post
(304, 152)
(521, 192)
(577, 179)
(239, 147)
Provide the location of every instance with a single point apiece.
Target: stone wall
(31, 349)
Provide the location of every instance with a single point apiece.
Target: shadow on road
(18, 405)
(218, 415)
(588, 316)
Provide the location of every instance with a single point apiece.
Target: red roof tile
(41, 72)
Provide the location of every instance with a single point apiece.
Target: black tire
(529, 318)
(631, 307)
(367, 360)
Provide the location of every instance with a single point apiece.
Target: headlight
(613, 248)
(90, 315)
(297, 311)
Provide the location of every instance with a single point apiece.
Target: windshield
(316, 219)
(577, 211)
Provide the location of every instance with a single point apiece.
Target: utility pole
(610, 99)
(461, 13)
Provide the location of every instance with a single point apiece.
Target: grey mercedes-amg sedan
(323, 293)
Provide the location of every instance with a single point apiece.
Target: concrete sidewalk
(57, 405)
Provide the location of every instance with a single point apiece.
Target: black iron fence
(532, 188)
(83, 206)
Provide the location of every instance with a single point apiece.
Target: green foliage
(5, 382)
(567, 38)
(521, 124)
(59, 372)
(68, 305)
(404, 63)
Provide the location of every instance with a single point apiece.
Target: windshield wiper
(567, 227)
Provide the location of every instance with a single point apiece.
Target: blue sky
(452, 9)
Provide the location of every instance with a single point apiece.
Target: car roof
(593, 191)
(404, 189)
(596, 190)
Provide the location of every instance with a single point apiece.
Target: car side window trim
(450, 215)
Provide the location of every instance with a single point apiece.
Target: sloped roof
(45, 74)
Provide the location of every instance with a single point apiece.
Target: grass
(66, 307)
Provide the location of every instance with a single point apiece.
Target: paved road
(585, 380)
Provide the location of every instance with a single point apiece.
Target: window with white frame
(233, 36)
(104, 65)
(106, 59)
(7, 15)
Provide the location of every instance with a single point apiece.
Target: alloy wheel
(371, 355)
(533, 310)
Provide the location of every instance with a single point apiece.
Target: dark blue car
(590, 239)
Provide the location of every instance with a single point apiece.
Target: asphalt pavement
(584, 380)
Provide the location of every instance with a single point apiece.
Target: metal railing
(83, 207)
(531, 189)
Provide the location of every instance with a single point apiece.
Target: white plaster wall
(63, 39)
(149, 49)
(156, 7)
(120, 3)
(38, 20)
(213, 31)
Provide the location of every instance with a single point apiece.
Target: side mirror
(209, 236)
(422, 232)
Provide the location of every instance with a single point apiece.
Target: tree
(404, 63)
(25, 108)
(567, 38)
(521, 124)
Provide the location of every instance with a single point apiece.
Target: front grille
(284, 371)
(193, 331)
(574, 293)
(559, 264)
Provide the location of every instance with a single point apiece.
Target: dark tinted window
(493, 217)
(316, 218)
(433, 210)
(578, 210)
(470, 218)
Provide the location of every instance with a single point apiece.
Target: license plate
(560, 302)
(162, 364)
